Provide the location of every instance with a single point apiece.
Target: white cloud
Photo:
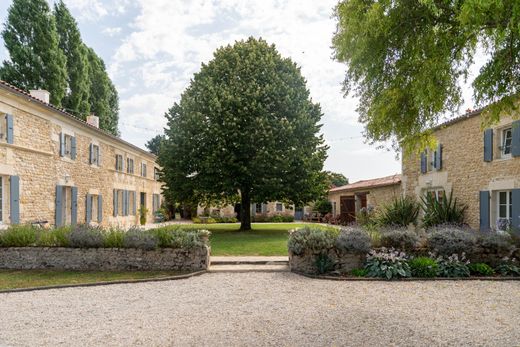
(112, 31)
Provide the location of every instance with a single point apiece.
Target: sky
(152, 48)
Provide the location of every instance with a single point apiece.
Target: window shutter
(74, 205)
(62, 144)
(14, 200)
(88, 212)
(264, 208)
(484, 210)
(115, 203)
(515, 144)
(98, 152)
(122, 164)
(91, 154)
(134, 207)
(10, 128)
(59, 212)
(515, 214)
(73, 147)
(125, 202)
(423, 163)
(488, 145)
(100, 209)
(438, 157)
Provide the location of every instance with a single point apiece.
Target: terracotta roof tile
(373, 183)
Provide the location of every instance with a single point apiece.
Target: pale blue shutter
(488, 145)
(484, 210)
(100, 209)
(515, 210)
(73, 147)
(62, 144)
(88, 212)
(115, 203)
(134, 207)
(424, 164)
(10, 128)
(59, 208)
(91, 154)
(515, 144)
(14, 200)
(125, 202)
(74, 206)
(438, 157)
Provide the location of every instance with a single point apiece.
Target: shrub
(442, 211)
(366, 216)
(453, 266)
(374, 233)
(136, 238)
(359, 272)
(351, 240)
(168, 237)
(311, 239)
(509, 267)
(451, 240)
(277, 219)
(196, 220)
(114, 238)
(18, 236)
(424, 267)
(210, 220)
(387, 263)
(323, 263)
(495, 243)
(323, 206)
(401, 238)
(480, 269)
(58, 237)
(84, 236)
(400, 212)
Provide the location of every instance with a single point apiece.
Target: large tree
(154, 144)
(245, 130)
(335, 179)
(31, 39)
(76, 99)
(406, 59)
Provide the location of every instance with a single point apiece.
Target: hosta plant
(509, 267)
(453, 266)
(387, 263)
(481, 269)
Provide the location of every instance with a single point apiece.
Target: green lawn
(10, 279)
(264, 239)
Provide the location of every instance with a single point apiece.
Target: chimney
(40, 94)
(93, 120)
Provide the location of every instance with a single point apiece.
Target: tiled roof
(468, 114)
(373, 183)
(80, 122)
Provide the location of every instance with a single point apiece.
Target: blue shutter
(424, 164)
(91, 153)
(10, 128)
(488, 145)
(74, 205)
(14, 190)
(88, 212)
(115, 203)
(59, 212)
(100, 209)
(73, 147)
(484, 210)
(515, 144)
(125, 202)
(62, 144)
(438, 157)
(515, 213)
(134, 207)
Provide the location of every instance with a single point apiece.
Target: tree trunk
(245, 211)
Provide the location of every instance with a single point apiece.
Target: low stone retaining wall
(341, 262)
(105, 259)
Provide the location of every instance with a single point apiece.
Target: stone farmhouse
(480, 167)
(57, 168)
(349, 199)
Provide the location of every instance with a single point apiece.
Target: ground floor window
(258, 208)
(436, 193)
(334, 208)
(94, 202)
(279, 207)
(504, 209)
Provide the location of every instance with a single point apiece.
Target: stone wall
(104, 259)
(341, 262)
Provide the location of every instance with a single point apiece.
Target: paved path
(265, 309)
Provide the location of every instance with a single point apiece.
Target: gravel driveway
(272, 309)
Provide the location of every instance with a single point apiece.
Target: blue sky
(153, 47)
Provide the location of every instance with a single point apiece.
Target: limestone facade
(57, 168)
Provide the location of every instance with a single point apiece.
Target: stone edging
(417, 279)
(105, 283)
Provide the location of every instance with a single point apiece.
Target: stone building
(269, 209)
(480, 167)
(57, 168)
(349, 199)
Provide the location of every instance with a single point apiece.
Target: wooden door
(347, 209)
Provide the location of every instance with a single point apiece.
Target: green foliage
(277, 218)
(154, 144)
(359, 272)
(18, 236)
(323, 263)
(481, 269)
(59, 237)
(224, 137)
(353, 240)
(388, 264)
(402, 212)
(174, 237)
(114, 238)
(141, 239)
(495, 243)
(508, 267)
(399, 238)
(453, 266)
(442, 211)
(312, 239)
(335, 179)
(31, 39)
(143, 211)
(450, 240)
(323, 206)
(406, 58)
(424, 267)
(366, 217)
(85, 236)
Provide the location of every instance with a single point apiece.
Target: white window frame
(144, 169)
(67, 139)
(129, 168)
(96, 155)
(257, 206)
(276, 207)
(508, 206)
(119, 163)
(503, 139)
(437, 191)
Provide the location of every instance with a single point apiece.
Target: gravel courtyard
(273, 309)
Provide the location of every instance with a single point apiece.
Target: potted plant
(204, 235)
(142, 214)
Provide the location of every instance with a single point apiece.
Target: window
(258, 208)
(156, 173)
(129, 165)
(119, 162)
(94, 159)
(505, 209)
(131, 202)
(3, 131)
(334, 208)
(507, 139)
(143, 169)
(68, 145)
(94, 200)
(279, 207)
(436, 193)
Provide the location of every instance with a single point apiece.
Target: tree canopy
(154, 144)
(335, 179)
(245, 130)
(406, 58)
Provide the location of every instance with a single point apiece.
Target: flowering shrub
(85, 236)
(453, 266)
(387, 263)
(448, 240)
(399, 238)
(353, 240)
(313, 239)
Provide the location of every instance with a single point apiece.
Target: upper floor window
(94, 154)
(119, 162)
(143, 169)
(506, 141)
(130, 165)
(156, 172)
(67, 146)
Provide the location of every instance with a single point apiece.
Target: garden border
(409, 279)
